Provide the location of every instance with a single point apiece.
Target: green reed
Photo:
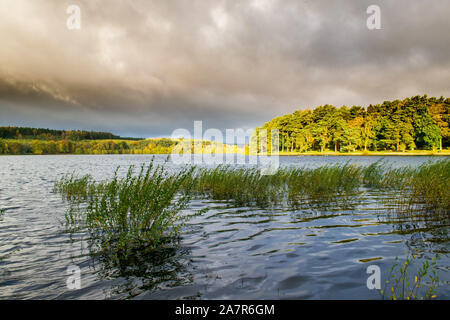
(381, 176)
(430, 185)
(243, 186)
(425, 187)
(422, 191)
(291, 186)
(143, 209)
(137, 211)
(403, 285)
(75, 188)
(327, 184)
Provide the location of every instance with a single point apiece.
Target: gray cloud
(148, 67)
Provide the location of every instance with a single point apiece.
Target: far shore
(369, 153)
(283, 154)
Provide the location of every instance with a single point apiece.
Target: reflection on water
(424, 232)
(314, 251)
(144, 271)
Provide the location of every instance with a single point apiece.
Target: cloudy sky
(145, 68)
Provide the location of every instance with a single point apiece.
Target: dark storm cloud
(148, 67)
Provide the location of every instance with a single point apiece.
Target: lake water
(226, 253)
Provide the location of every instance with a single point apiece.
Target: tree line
(40, 147)
(417, 123)
(56, 135)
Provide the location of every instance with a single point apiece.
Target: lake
(225, 253)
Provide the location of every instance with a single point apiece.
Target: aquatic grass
(430, 187)
(373, 174)
(323, 185)
(338, 185)
(134, 220)
(287, 186)
(380, 175)
(134, 212)
(243, 186)
(141, 209)
(75, 188)
(404, 286)
(421, 192)
(425, 186)
(398, 178)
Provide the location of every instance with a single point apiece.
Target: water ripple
(227, 253)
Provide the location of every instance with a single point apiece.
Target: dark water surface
(226, 253)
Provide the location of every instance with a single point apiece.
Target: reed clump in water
(134, 212)
(332, 185)
(291, 186)
(243, 186)
(430, 188)
(421, 193)
(140, 210)
(381, 176)
(402, 284)
(75, 188)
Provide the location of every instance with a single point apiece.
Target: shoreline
(368, 154)
(282, 154)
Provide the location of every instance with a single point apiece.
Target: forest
(417, 123)
(39, 147)
(49, 134)
(44, 144)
